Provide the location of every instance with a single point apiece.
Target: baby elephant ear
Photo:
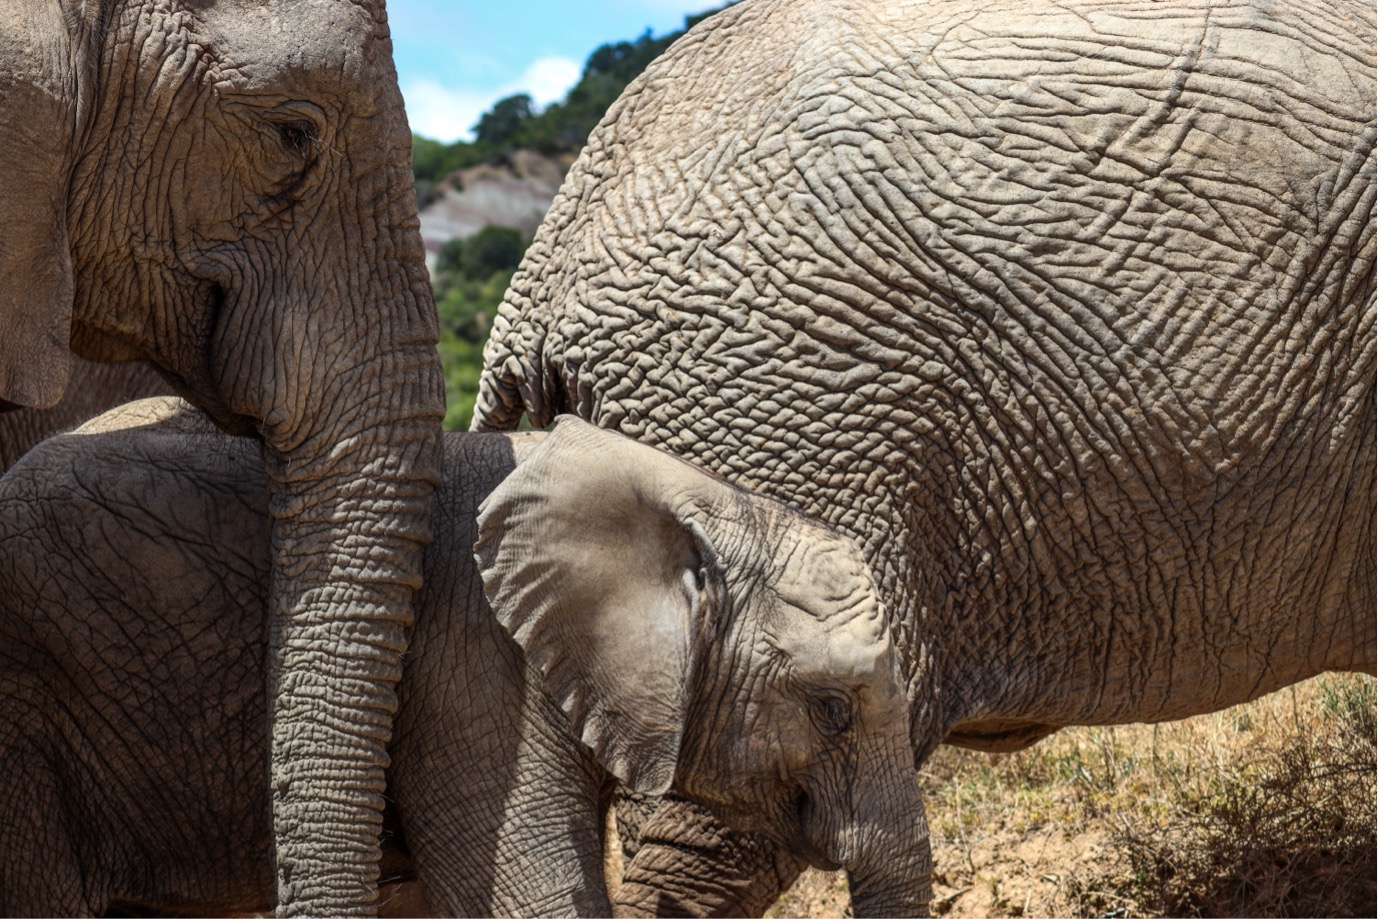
(39, 67)
(593, 561)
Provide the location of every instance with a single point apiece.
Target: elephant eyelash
(299, 137)
(832, 714)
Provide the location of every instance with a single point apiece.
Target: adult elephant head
(223, 189)
(1064, 311)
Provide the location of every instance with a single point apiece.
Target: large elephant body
(221, 188)
(134, 581)
(1065, 312)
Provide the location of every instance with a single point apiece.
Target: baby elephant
(649, 623)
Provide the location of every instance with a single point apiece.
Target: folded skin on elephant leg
(683, 863)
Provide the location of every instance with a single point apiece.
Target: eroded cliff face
(514, 194)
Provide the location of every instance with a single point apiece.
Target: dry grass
(1268, 809)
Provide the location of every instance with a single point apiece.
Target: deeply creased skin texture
(221, 188)
(135, 579)
(1065, 311)
(133, 748)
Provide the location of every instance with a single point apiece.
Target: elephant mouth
(791, 823)
(200, 389)
(802, 841)
(236, 424)
(225, 418)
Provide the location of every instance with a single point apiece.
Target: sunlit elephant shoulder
(91, 389)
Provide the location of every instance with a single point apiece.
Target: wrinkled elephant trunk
(898, 888)
(351, 517)
(347, 556)
(884, 844)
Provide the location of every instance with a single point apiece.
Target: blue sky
(455, 58)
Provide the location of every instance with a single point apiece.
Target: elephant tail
(517, 379)
(499, 405)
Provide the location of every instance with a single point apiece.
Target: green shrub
(461, 361)
(471, 277)
(490, 251)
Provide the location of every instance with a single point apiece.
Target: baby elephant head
(709, 640)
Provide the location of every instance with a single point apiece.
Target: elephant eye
(297, 136)
(832, 714)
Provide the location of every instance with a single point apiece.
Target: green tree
(501, 128)
(493, 249)
(433, 161)
(471, 277)
(563, 126)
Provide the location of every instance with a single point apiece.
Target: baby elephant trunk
(884, 844)
(898, 887)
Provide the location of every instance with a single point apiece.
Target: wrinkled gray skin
(91, 389)
(221, 188)
(1065, 312)
(661, 608)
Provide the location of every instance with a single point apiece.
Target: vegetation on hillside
(515, 122)
(469, 281)
(471, 275)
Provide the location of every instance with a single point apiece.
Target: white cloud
(440, 112)
(449, 113)
(547, 80)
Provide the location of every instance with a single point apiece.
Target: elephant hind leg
(1357, 651)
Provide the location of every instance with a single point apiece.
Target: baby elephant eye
(296, 136)
(832, 714)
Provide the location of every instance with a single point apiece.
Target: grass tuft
(1284, 830)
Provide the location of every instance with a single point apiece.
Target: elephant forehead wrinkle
(323, 48)
(841, 652)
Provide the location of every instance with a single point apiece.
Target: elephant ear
(595, 558)
(45, 55)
